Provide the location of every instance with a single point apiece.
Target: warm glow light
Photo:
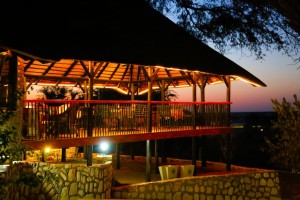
(256, 85)
(215, 82)
(180, 86)
(146, 90)
(47, 150)
(52, 84)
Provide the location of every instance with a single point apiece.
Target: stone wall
(62, 181)
(259, 185)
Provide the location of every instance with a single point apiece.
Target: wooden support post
(89, 152)
(203, 150)
(117, 165)
(203, 138)
(228, 136)
(43, 155)
(148, 161)
(132, 150)
(90, 115)
(194, 139)
(63, 155)
(163, 153)
(13, 83)
(194, 157)
(149, 129)
(156, 156)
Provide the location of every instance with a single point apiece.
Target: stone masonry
(259, 185)
(77, 181)
(62, 181)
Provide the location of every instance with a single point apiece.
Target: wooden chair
(165, 116)
(64, 124)
(140, 115)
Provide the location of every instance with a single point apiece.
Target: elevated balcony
(65, 123)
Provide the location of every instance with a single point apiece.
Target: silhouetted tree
(284, 145)
(239, 24)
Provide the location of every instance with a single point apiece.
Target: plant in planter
(54, 92)
(75, 94)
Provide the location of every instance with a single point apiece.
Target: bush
(284, 144)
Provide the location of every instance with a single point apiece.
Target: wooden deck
(65, 141)
(57, 125)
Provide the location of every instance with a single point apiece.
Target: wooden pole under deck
(149, 129)
(132, 92)
(13, 83)
(194, 139)
(89, 149)
(117, 161)
(203, 137)
(163, 97)
(228, 136)
(156, 148)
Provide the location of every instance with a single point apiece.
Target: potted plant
(54, 92)
(75, 94)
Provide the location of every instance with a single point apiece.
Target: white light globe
(104, 146)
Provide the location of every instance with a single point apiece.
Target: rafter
(86, 70)
(102, 70)
(115, 70)
(28, 65)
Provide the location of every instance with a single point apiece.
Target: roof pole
(149, 128)
(89, 158)
(228, 143)
(203, 137)
(194, 138)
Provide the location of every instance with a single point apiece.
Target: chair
(67, 121)
(61, 120)
(140, 114)
(108, 119)
(165, 116)
(72, 124)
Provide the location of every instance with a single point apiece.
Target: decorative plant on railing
(76, 94)
(55, 92)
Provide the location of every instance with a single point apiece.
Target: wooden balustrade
(56, 119)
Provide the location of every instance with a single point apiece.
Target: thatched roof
(121, 38)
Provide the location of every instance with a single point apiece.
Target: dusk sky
(277, 71)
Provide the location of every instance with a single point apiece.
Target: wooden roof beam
(187, 80)
(48, 68)
(28, 65)
(124, 74)
(145, 73)
(98, 67)
(102, 70)
(116, 69)
(68, 70)
(86, 70)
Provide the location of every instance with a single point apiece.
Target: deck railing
(54, 119)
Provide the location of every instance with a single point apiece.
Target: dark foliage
(242, 25)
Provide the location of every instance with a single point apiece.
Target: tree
(11, 147)
(284, 145)
(254, 25)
